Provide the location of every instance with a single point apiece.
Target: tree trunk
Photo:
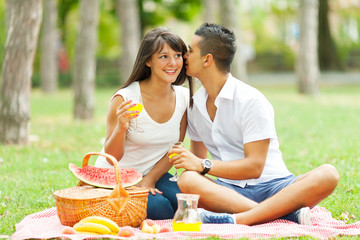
(210, 10)
(23, 24)
(130, 35)
(229, 18)
(85, 60)
(328, 56)
(307, 69)
(49, 48)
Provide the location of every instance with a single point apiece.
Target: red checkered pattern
(46, 224)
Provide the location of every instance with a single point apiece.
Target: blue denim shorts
(261, 191)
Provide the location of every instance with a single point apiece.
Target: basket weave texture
(127, 207)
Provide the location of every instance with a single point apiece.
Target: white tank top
(145, 148)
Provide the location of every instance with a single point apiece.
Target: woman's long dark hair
(153, 42)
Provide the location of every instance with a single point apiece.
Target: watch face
(207, 163)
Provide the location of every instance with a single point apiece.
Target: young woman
(141, 140)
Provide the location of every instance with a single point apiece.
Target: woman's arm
(183, 126)
(118, 119)
(160, 168)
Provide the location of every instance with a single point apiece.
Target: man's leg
(308, 190)
(213, 196)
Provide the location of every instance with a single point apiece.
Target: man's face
(194, 61)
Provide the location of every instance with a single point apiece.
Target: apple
(165, 229)
(150, 222)
(145, 228)
(68, 230)
(126, 231)
(156, 228)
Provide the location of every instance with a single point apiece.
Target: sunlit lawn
(311, 130)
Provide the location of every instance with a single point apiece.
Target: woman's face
(166, 64)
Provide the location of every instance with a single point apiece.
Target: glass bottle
(186, 217)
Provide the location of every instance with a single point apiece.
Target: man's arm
(239, 169)
(198, 149)
(247, 168)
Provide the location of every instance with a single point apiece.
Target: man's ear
(208, 60)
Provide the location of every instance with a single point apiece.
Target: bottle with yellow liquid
(186, 217)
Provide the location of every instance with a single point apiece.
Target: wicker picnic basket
(127, 207)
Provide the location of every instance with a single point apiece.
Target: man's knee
(330, 175)
(324, 179)
(186, 181)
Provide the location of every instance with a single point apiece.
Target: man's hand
(185, 159)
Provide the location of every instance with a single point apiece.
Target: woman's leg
(169, 189)
(158, 207)
(163, 206)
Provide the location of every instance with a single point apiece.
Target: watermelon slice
(105, 177)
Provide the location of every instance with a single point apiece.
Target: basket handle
(119, 197)
(108, 156)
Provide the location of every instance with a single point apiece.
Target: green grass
(311, 130)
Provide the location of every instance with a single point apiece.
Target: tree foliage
(156, 12)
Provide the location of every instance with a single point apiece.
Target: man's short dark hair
(218, 41)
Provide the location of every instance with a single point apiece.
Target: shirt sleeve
(258, 121)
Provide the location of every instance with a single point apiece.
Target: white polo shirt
(243, 115)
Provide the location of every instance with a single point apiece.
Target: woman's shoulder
(129, 90)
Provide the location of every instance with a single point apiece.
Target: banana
(103, 221)
(87, 233)
(91, 227)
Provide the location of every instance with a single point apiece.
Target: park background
(57, 101)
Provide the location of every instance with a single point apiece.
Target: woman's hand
(149, 184)
(124, 116)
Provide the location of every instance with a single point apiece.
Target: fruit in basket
(105, 177)
(91, 228)
(126, 231)
(114, 228)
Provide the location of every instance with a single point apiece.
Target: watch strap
(205, 171)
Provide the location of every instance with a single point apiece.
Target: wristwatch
(207, 164)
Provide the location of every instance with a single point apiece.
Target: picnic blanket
(46, 224)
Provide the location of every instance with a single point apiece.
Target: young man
(235, 123)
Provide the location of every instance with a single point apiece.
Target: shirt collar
(226, 92)
(228, 88)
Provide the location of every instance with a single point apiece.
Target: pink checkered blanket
(46, 224)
